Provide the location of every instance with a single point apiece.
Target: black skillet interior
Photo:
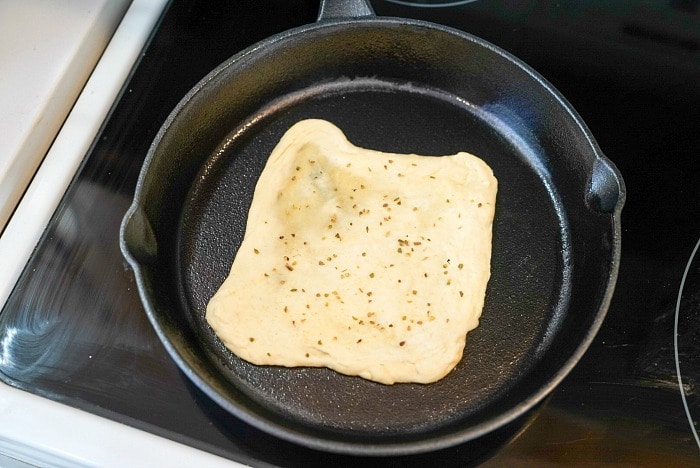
(402, 87)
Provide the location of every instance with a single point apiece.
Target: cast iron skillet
(403, 86)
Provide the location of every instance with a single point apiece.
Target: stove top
(73, 330)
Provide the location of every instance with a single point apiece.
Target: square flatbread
(372, 264)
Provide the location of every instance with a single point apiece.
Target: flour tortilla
(372, 264)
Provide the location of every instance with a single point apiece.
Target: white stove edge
(36, 430)
(48, 48)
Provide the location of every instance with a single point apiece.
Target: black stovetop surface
(73, 330)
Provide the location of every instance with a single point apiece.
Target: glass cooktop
(74, 330)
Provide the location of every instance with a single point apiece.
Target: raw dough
(372, 264)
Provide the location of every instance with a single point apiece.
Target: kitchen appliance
(73, 331)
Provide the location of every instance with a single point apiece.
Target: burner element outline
(675, 343)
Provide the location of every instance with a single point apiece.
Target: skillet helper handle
(338, 9)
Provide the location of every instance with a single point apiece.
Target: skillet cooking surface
(526, 299)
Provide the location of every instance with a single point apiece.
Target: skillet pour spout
(402, 86)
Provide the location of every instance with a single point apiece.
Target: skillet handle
(337, 9)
